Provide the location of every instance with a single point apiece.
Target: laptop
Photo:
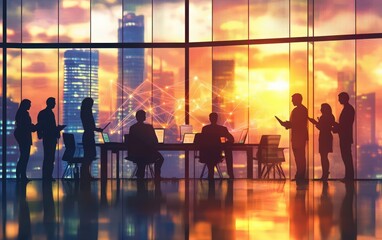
(105, 137)
(188, 138)
(159, 132)
(243, 136)
(185, 129)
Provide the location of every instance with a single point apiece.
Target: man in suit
(344, 128)
(212, 135)
(298, 123)
(49, 132)
(142, 146)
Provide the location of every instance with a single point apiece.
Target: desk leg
(187, 165)
(250, 163)
(103, 164)
(117, 162)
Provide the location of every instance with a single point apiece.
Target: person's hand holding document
(314, 121)
(282, 123)
(61, 127)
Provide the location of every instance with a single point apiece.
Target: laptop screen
(188, 138)
(243, 135)
(184, 129)
(105, 137)
(159, 132)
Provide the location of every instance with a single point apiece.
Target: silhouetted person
(142, 146)
(298, 123)
(347, 221)
(24, 214)
(344, 128)
(325, 211)
(212, 135)
(325, 124)
(49, 132)
(88, 140)
(23, 135)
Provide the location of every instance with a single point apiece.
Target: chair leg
(64, 173)
(134, 171)
(203, 170)
(219, 171)
(151, 170)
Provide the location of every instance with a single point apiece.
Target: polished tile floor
(195, 209)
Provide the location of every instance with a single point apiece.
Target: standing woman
(325, 124)
(88, 140)
(23, 135)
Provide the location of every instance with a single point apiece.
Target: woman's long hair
(24, 104)
(86, 105)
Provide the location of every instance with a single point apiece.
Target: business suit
(345, 132)
(49, 132)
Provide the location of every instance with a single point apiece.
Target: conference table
(116, 147)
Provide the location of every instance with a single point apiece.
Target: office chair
(73, 161)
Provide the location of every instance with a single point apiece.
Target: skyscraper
(366, 119)
(130, 67)
(80, 81)
(222, 90)
(12, 146)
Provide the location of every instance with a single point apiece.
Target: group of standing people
(48, 130)
(326, 124)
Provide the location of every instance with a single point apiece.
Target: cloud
(39, 67)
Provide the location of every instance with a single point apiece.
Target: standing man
(213, 134)
(344, 128)
(298, 123)
(49, 132)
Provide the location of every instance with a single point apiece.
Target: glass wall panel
(368, 108)
(105, 16)
(13, 20)
(74, 21)
(334, 17)
(334, 72)
(368, 16)
(200, 20)
(230, 92)
(40, 21)
(1, 20)
(298, 18)
(269, 93)
(13, 99)
(268, 19)
(168, 26)
(168, 103)
(230, 20)
(40, 81)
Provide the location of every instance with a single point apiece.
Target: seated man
(142, 146)
(212, 147)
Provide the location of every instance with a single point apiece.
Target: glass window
(1, 20)
(105, 17)
(40, 21)
(200, 19)
(333, 73)
(269, 95)
(298, 18)
(334, 17)
(368, 108)
(230, 20)
(74, 21)
(368, 16)
(168, 25)
(136, 21)
(13, 20)
(269, 19)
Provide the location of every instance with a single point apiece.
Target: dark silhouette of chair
(270, 156)
(201, 147)
(149, 170)
(70, 157)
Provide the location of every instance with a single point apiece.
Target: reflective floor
(239, 209)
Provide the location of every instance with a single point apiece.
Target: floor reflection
(239, 209)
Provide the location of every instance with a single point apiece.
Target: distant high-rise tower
(346, 83)
(366, 119)
(80, 81)
(12, 146)
(131, 66)
(222, 89)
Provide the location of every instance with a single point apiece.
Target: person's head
(51, 102)
(326, 109)
(343, 98)
(87, 103)
(140, 116)
(25, 104)
(213, 117)
(296, 99)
